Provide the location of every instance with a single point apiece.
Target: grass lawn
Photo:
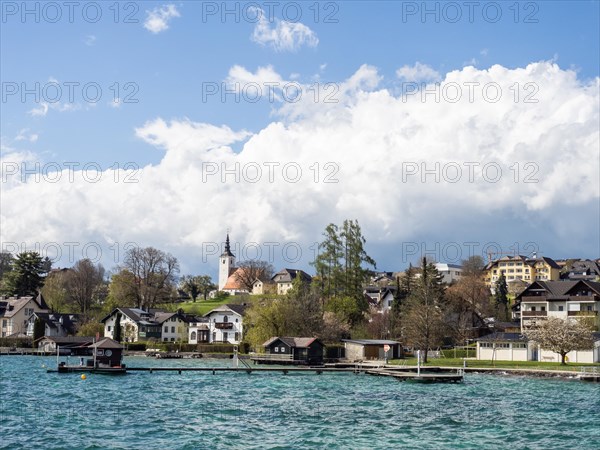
(458, 362)
(201, 307)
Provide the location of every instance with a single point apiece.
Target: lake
(198, 410)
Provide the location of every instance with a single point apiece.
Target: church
(228, 281)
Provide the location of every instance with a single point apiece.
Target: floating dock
(420, 377)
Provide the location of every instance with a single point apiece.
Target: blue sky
(169, 62)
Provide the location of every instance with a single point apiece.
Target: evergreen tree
(117, 332)
(501, 297)
(424, 310)
(39, 330)
(27, 275)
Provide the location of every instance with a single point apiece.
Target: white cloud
(418, 72)
(25, 135)
(282, 35)
(39, 111)
(367, 138)
(158, 19)
(89, 40)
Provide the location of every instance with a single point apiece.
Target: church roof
(227, 251)
(233, 283)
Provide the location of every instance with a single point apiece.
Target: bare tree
(81, 283)
(562, 336)
(154, 275)
(249, 271)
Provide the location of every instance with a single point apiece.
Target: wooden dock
(422, 377)
(214, 370)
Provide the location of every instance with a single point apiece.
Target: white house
(450, 273)
(136, 324)
(285, 279)
(225, 323)
(198, 331)
(16, 311)
(54, 324)
(174, 326)
(515, 347)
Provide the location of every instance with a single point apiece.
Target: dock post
(150, 370)
(213, 371)
(179, 372)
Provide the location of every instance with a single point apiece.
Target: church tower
(226, 263)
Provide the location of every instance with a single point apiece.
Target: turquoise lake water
(198, 410)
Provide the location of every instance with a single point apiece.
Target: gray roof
(371, 341)
(298, 342)
(288, 275)
(558, 289)
(503, 337)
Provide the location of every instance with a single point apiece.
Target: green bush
(16, 342)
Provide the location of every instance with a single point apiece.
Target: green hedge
(16, 342)
(460, 353)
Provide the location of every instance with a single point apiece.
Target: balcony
(223, 325)
(534, 313)
(582, 313)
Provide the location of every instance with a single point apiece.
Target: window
(193, 336)
(543, 308)
(519, 345)
(276, 349)
(485, 344)
(533, 308)
(589, 308)
(214, 336)
(225, 319)
(225, 336)
(503, 345)
(172, 339)
(237, 320)
(172, 329)
(237, 336)
(282, 350)
(108, 328)
(166, 329)
(561, 308)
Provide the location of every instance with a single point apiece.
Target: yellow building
(521, 268)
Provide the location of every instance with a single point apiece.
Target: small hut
(109, 353)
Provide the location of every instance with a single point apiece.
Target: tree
(26, 276)
(6, 261)
(473, 265)
(39, 330)
(90, 328)
(424, 325)
(196, 285)
(117, 331)
(55, 291)
(469, 303)
(339, 264)
(121, 291)
(81, 284)
(154, 273)
(250, 271)
(562, 336)
(501, 297)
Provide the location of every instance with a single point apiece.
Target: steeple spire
(227, 251)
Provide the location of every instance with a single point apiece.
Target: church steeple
(227, 251)
(226, 263)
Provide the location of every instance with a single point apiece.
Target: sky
(446, 129)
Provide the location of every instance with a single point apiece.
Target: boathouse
(108, 352)
(365, 349)
(295, 350)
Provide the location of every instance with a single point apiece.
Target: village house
(55, 324)
(67, 345)
(284, 279)
(16, 311)
(563, 299)
(198, 331)
(225, 324)
(519, 267)
(567, 300)
(371, 349)
(380, 298)
(581, 269)
(140, 325)
(450, 273)
(294, 350)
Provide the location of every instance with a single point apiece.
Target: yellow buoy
(83, 377)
